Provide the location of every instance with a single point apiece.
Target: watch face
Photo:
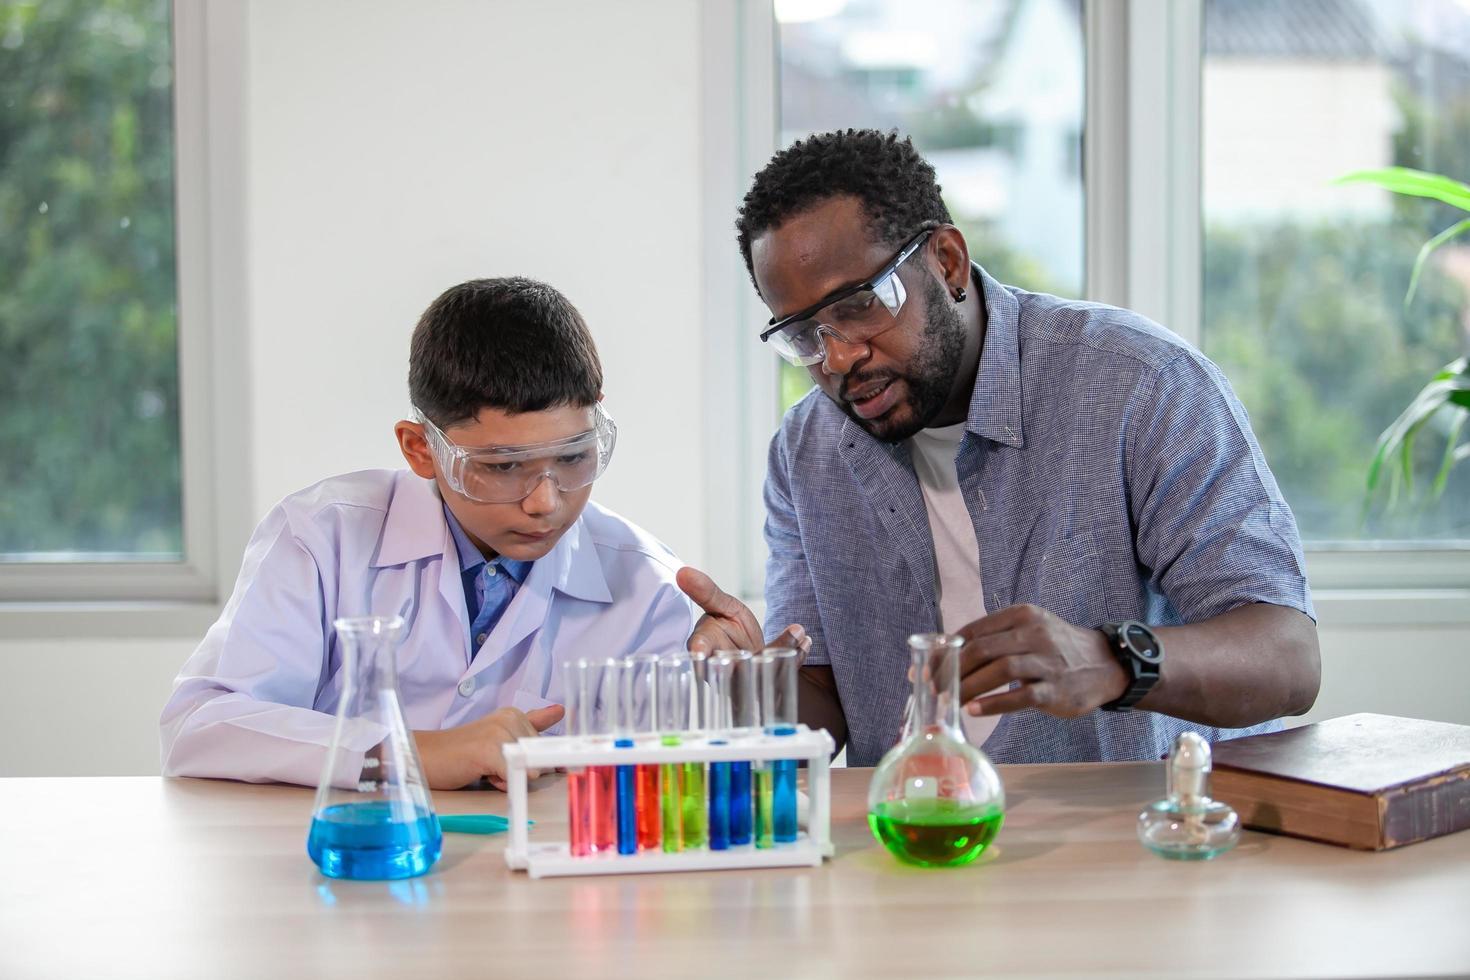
(1141, 640)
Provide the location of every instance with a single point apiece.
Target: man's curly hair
(895, 185)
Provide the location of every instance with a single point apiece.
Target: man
(1070, 487)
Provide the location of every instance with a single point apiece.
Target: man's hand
(1059, 668)
(456, 757)
(728, 623)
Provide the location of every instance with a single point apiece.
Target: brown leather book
(1367, 781)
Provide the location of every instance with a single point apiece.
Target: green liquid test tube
(696, 807)
(695, 804)
(675, 678)
(670, 800)
(765, 795)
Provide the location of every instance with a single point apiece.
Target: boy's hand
(456, 757)
(728, 623)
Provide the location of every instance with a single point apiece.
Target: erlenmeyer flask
(935, 799)
(375, 820)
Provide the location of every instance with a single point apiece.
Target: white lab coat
(256, 700)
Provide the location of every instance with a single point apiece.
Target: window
(1214, 132)
(89, 365)
(1304, 281)
(122, 402)
(991, 91)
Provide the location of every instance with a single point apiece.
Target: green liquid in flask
(935, 833)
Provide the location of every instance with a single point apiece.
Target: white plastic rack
(554, 858)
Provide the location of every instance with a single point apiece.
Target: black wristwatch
(1139, 651)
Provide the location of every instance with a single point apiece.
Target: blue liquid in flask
(372, 842)
(373, 818)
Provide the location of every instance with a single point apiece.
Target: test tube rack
(554, 858)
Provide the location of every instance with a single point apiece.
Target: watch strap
(1141, 676)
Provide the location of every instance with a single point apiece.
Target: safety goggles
(853, 315)
(508, 474)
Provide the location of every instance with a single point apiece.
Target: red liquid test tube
(603, 811)
(579, 813)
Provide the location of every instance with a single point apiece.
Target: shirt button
(490, 570)
(467, 686)
(481, 638)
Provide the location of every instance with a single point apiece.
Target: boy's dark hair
(514, 344)
(896, 185)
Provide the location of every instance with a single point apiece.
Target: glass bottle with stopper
(1187, 825)
(935, 799)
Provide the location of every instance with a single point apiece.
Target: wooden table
(193, 878)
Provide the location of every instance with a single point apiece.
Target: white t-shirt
(956, 549)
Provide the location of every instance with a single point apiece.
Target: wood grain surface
(146, 877)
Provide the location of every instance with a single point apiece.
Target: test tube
(745, 723)
(719, 669)
(640, 713)
(578, 724)
(673, 722)
(695, 805)
(627, 775)
(602, 680)
(778, 711)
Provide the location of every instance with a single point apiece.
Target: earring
(959, 295)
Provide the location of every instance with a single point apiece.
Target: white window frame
(1143, 251)
(43, 599)
(739, 101)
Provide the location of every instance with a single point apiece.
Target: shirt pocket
(1072, 582)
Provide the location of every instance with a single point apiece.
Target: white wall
(398, 148)
(1412, 671)
(84, 707)
(394, 149)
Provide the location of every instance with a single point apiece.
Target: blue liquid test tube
(718, 670)
(740, 804)
(745, 723)
(627, 803)
(620, 723)
(719, 803)
(778, 711)
(640, 715)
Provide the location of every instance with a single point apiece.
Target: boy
(488, 548)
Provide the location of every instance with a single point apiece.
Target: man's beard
(930, 377)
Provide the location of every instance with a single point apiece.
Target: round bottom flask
(935, 799)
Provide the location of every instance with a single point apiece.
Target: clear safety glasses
(854, 315)
(508, 474)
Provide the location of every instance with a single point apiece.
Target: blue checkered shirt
(1111, 474)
